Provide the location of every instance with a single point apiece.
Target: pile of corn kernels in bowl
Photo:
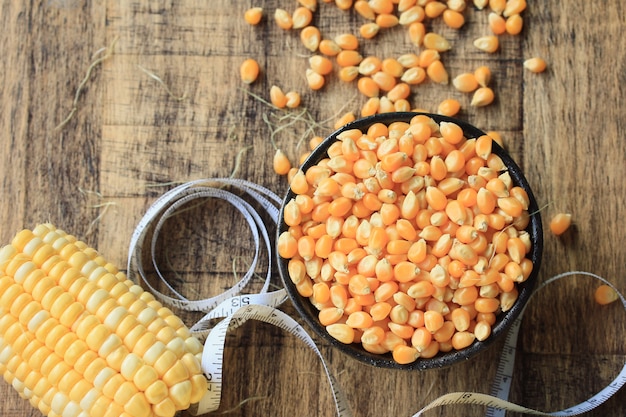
(408, 238)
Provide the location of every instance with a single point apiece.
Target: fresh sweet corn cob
(77, 338)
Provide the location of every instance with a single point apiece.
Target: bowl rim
(307, 310)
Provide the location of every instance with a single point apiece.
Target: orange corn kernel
(277, 97)
(387, 20)
(482, 75)
(437, 72)
(436, 42)
(347, 41)
(301, 18)
(368, 87)
(514, 24)
(560, 222)
(283, 19)
(535, 64)
(465, 83)
(314, 80)
(310, 37)
(348, 58)
(320, 64)
(364, 9)
(434, 9)
(453, 18)
(369, 30)
(249, 71)
(417, 31)
(604, 295)
(449, 107)
(489, 44)
(328, 47)
(497, 23)
(253, 15)
(482, 97)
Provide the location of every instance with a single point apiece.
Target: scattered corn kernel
(453, 18)
(301, 17)
(449, 107)
(488, 44)
(482, 75)
(560, 222)
(535, 64)
(465, 83)
(482, 97)
(249, 71)
(281, 163)
(283, 19)
(277, 97)
(604, 295)
(514, 24)
(436, 42)
(253, 15)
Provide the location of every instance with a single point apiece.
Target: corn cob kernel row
(77, 338)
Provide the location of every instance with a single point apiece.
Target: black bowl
(309, 313)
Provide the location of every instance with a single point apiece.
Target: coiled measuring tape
(235, 308)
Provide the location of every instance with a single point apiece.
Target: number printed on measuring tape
(235, 308)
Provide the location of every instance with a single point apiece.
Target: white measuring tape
(236, 308)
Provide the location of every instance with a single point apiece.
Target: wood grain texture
(130, 139)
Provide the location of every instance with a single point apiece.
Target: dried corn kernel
(249, 71)
(560, 222)
(535, 64)
(253, 15)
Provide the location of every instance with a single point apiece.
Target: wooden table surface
(132, 136)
